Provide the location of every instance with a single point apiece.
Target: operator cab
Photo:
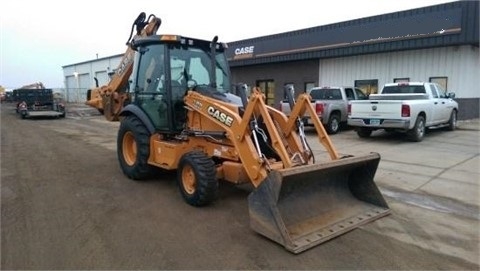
(166, 68)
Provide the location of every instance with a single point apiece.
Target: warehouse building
(435, 44)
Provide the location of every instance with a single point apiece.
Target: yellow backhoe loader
(184, 114)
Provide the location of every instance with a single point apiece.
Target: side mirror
(451, 95)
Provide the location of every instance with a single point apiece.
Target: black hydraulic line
(139, 21)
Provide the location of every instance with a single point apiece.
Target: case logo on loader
(220, 116)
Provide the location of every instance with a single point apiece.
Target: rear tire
(333, 125)
(364, 132)
(133, 149)
(196, 178)
(452, 123)
(418, 132)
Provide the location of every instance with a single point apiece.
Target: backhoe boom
(109, 99)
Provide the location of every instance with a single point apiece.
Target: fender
(134, 110)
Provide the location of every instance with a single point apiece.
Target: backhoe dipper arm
(110, 98)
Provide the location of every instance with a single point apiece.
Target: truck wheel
(452, 123)
(418, 131)
(364, 132)
(196, 178)
(133, 149)
(333, 125)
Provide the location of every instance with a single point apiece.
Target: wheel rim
(188, 179)
(129, 148)
(421, 128)
(334, 125)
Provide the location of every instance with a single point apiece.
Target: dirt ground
(65, 204)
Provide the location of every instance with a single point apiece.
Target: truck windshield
(194, 65)
(326, 94)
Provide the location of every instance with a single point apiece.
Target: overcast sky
(39, 37)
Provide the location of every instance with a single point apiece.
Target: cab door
(150, 89)
(444, 104)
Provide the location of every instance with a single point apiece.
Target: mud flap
(304, 206)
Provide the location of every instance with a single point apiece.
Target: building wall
(80, 77)
(297, 73)
(459, 64)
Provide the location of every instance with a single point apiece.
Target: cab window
(441, 92)
(151, 74)
(360, 94)
(349, 93)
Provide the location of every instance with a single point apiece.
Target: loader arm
(303, 105)
(239, 130)
(256, 108)
(110, 98)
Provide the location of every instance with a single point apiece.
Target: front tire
(133, 149)
(333, 125)
(196, 178)
(418, 132)
(452, 122)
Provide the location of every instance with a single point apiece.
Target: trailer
(37, 103)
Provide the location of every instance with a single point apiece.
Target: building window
(268, 88)
(440, 80)
(368, 87)
(401, 80)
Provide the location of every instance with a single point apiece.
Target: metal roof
(455, 23)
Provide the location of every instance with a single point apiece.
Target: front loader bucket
(304, 206)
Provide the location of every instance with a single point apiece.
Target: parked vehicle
(331, 105)
(410, 107)
(37, 102)
(193, 124)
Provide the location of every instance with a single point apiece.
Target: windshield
(403, 89)
(326, 94)
(194, 66)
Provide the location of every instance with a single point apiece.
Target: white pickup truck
(409, 107)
